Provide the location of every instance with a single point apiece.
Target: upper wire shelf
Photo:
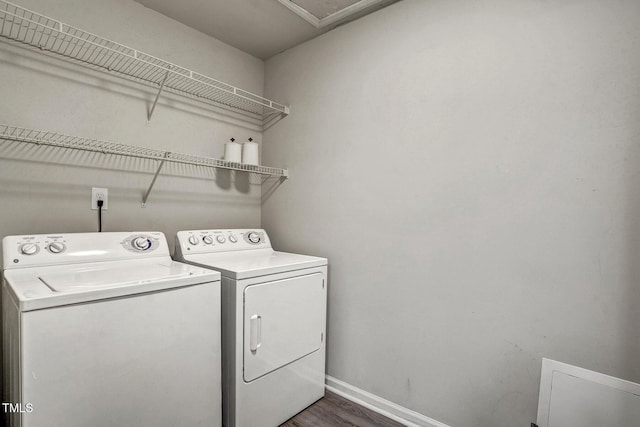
(36, 30)
(51, 139)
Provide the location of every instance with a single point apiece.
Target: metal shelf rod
(155, 101)
(153, 181)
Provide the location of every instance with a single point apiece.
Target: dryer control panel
(221, 240)
(72, 248)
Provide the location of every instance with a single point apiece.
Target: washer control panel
(72, 248)
(221, 240)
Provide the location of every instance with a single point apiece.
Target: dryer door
(283, 322)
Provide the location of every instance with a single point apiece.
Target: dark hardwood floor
(333, 410)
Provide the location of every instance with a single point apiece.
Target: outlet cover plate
(96, 194)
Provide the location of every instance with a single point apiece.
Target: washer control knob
(221, 239)
(141, 243)
(207, 239)
(193, 240)
(253, 237)
(233, 238)
(56, 247)
(29, 249)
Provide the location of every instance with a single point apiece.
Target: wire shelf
(51, 139)
(36, 30)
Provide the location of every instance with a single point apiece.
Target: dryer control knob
(56, 247)
(29, 249)
(220, 239)
(253, 237)
(233, 238)
(193, 240)
(207, 239)
(141, 243)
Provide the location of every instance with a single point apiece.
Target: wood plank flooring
(333, 410)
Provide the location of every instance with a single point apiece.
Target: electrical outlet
(99, 194)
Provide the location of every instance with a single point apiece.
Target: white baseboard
(382, 406)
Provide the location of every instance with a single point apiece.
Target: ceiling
(264, 28)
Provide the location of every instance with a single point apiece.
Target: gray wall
(48, 190)
(472, 171)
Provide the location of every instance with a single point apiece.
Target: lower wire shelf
(51, 139)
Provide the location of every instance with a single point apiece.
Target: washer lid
(93, 276)
(254, 263)
(35, 288)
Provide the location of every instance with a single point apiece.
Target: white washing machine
(105, 329)
(273, 324)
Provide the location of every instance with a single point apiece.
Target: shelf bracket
(155, 101)
(153, 181)
(272, 120)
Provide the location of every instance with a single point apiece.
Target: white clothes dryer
(273, 323)
(105, 329)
